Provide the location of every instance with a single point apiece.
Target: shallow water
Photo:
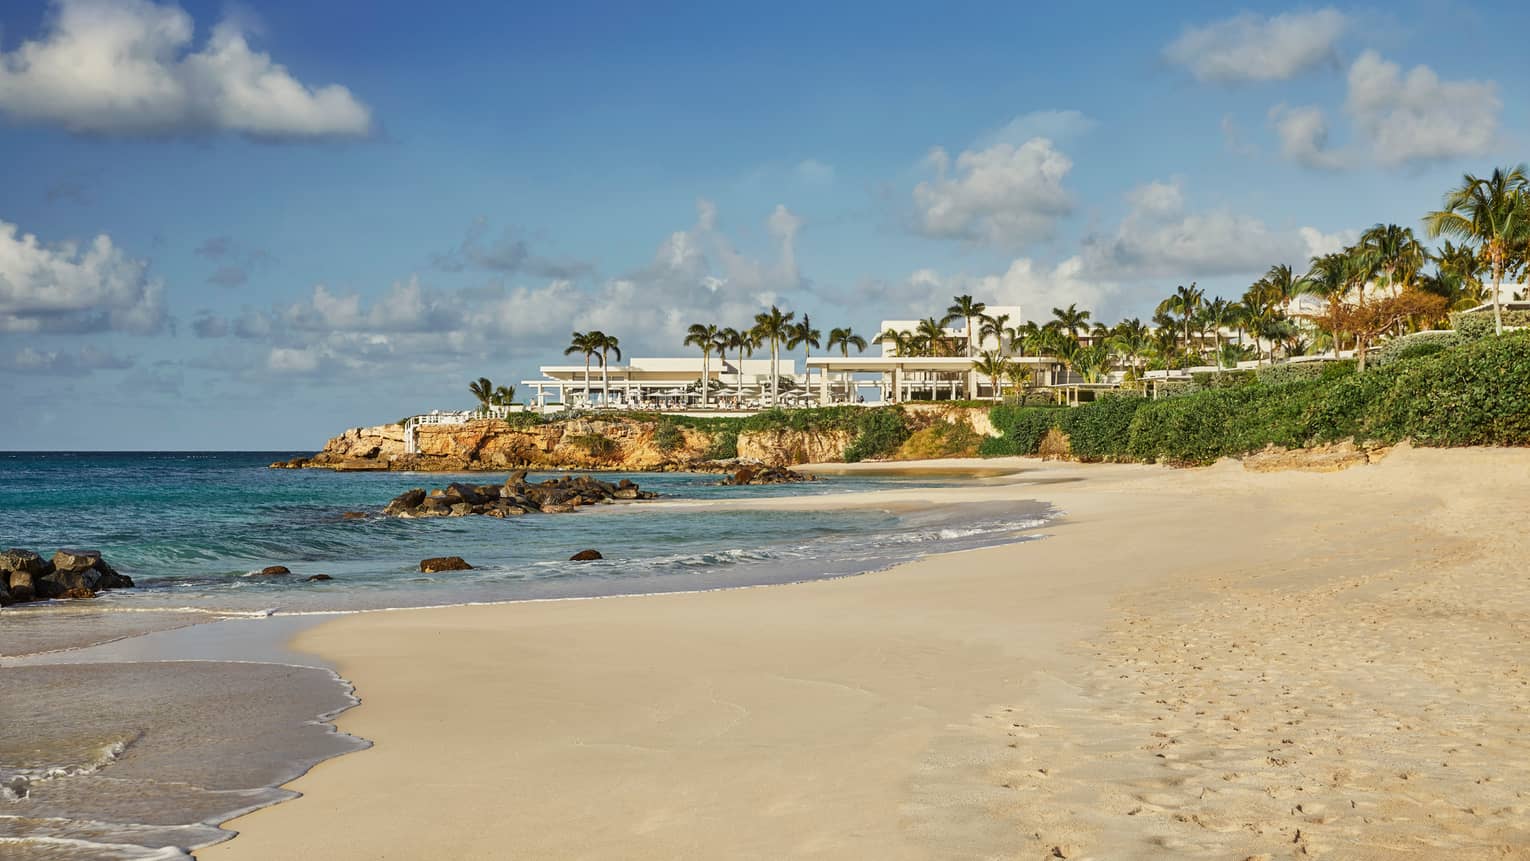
(144, 727)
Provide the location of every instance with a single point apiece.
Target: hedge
(1479, 324)
(1022, 428)
(879, 431)
(1416, 344)
(1477, 393)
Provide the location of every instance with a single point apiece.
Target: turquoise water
(155, 713)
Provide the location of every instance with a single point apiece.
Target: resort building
(942, 372)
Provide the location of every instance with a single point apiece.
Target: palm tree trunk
(1497, 288)
(775, 373)
(706, 375)
(605, 381)
(587, 379)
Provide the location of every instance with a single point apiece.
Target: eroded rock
(437, 564)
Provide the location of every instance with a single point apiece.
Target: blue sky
(253, 226)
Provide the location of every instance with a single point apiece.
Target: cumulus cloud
(1160, 237)
(29, 360)
(814, 172)
(125, 67)
(1250, 47)
(507, 254)
(1417, 116)
(1303, 133)
(696, 273)
(1005, 195)
(69, 289)
(1054, 125)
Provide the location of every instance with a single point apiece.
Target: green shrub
(878, 432)
(1417, 344)
(998, 446)
(1207, 380)
(1290, 372)
(1022, 427)
(724, 445)
(596, 445)
(1479, 324)
(1478, 394)
(667, 436)
(1099, 430)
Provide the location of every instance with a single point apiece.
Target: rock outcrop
(514, 498)
(747, 475)
(437, 564)
(786, 447)
(586, 556)
(70, 574)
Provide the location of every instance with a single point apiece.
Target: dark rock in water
(274, 571)
(586, 556)
(750, 475)
(17, 559)
(55, 585)
(75, 560)
(317, 578)
(438, 564)
(21, 587)
(515, 497)
(625, 483)
(354, 515)
(77, 593)
(5, 593)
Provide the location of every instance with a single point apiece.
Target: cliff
(625, 443)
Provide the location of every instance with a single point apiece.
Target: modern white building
(660, 383)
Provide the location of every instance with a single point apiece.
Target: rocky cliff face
(791, 447)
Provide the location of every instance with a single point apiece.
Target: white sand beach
(1205, 663)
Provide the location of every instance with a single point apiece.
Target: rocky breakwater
(750, 475)
(515, 497)
(70, 574)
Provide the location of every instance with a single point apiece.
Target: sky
(253, 226)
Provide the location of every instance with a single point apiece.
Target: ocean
(136, 722)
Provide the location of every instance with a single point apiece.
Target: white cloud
(1303, 133)
(1250, 47)
(1004, 195)
(1159, 238)
(814, 172)
(1319, 243)
(1035, 287)
(122, 67)
(29, 360)
(1054, 125)
(65, 288)
(1417, 116)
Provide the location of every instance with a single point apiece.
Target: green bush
(1417, 344)
(878, 432)
(1475, 395)
(1290, 372)
(1207, 380)
(596, 445)
(1099, 430)
(1022, 427)
(724, 445)
(667, 436)
(1479, 324)
(998, 446)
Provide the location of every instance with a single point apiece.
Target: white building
(658, 383)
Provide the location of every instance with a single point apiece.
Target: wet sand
(1211, 663)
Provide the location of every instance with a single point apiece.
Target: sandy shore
(1210, 663)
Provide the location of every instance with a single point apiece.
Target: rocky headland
(71, 574)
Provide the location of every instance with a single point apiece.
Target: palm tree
(587, 344)
(503, 396)
(1185, 302)
(774, 326)
(964, 309)
(1071, 319)
(993, 365)
(844, 339)
(902, 341)
(607, 344)
(1495, 212)
(930, 337)
(1132, 339)
(1216, 314)
(1395, 252)
(705, 336)
(804, 334)
(483, 390)
(996, 327)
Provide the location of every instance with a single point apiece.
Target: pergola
(905, 378)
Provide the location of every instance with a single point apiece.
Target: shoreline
(837, 717)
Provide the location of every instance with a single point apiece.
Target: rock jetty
(515, 497)
(70, 574)
(767, 475)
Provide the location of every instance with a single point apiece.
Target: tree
(704, 336)
(1132, 339)
(993, 365)
(1395, 252)
(587, 344)
(1185, 302)
(996, 327)
(1071, 319)
(803, 334)
(902, 342)
(1369, 316)
(503, 396)
(773, 326)
(606, 344)
(1495, 213)
(483, 390)
(930, 337)
(844, 339)
(964, 309)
